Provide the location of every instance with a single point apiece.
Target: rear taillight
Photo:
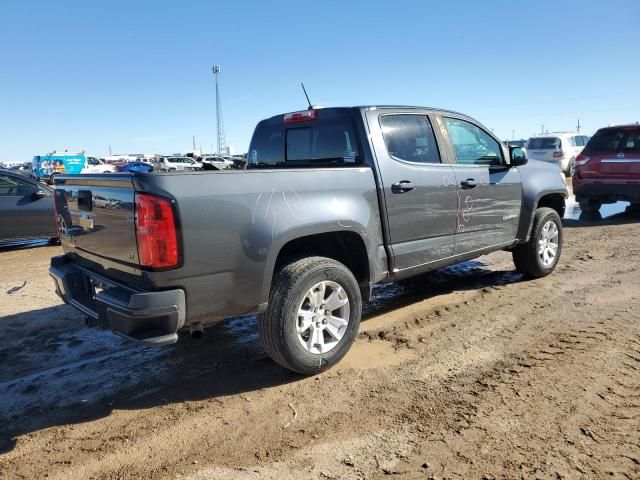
(156, 232)
(558, 154)
(582, 160)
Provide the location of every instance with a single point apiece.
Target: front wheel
(539, 256)
(313, 315)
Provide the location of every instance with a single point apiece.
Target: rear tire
(52, 177)
(589, 205)
(530, 258)
(326, 339)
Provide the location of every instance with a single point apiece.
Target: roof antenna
(305, 94)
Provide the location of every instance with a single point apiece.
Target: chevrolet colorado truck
(331, 202)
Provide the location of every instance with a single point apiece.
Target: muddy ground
(470, 372)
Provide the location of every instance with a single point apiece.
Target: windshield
(544, 143)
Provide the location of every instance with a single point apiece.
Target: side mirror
(40, 193)
(518, 156)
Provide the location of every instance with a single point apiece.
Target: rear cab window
(326, 141)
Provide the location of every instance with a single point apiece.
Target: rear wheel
(313, 315)
(52, 178)
(589, 205)
(539, 256)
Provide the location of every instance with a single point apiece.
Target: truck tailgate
(95, 215)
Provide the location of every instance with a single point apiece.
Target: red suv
(608, 169)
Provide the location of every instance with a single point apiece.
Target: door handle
(469, 183)
(402, 187)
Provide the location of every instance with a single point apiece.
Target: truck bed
(230, 224)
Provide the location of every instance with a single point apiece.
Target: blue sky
(136, 75)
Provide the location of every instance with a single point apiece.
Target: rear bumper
(606, 191)
(152, 318)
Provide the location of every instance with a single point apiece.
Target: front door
(489, 192)
(419, 190)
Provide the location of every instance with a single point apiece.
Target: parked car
(26, 209)
(136, 167)
(559, 148)
(239, 162)
(353, 197)
(608, 169)
(173, 164)
(218, 162)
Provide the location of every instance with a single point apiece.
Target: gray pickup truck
(332, 201)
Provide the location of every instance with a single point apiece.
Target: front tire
(539, 256)
(313, 315)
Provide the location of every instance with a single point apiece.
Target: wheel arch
(552, 199)
(347, 247)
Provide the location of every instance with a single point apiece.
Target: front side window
(472, 145)
(410, 138)
(93, 161)
(15, 187)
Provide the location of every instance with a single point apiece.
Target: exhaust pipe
(196, 330)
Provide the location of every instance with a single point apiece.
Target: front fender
(539, 179)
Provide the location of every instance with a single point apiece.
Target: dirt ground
(467, 373)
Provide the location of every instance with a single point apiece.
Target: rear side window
(410, 138)
(544, 143)
(312, 144)
(615, 140)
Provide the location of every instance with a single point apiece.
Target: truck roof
(373, 107)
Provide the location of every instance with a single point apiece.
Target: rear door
(22, 213)
(419, 188)
(489, 192)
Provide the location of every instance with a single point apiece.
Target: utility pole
(578, 126)
(542, 130)
(220, 124)
(194, 141)
(513, 134)
(109, 150)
